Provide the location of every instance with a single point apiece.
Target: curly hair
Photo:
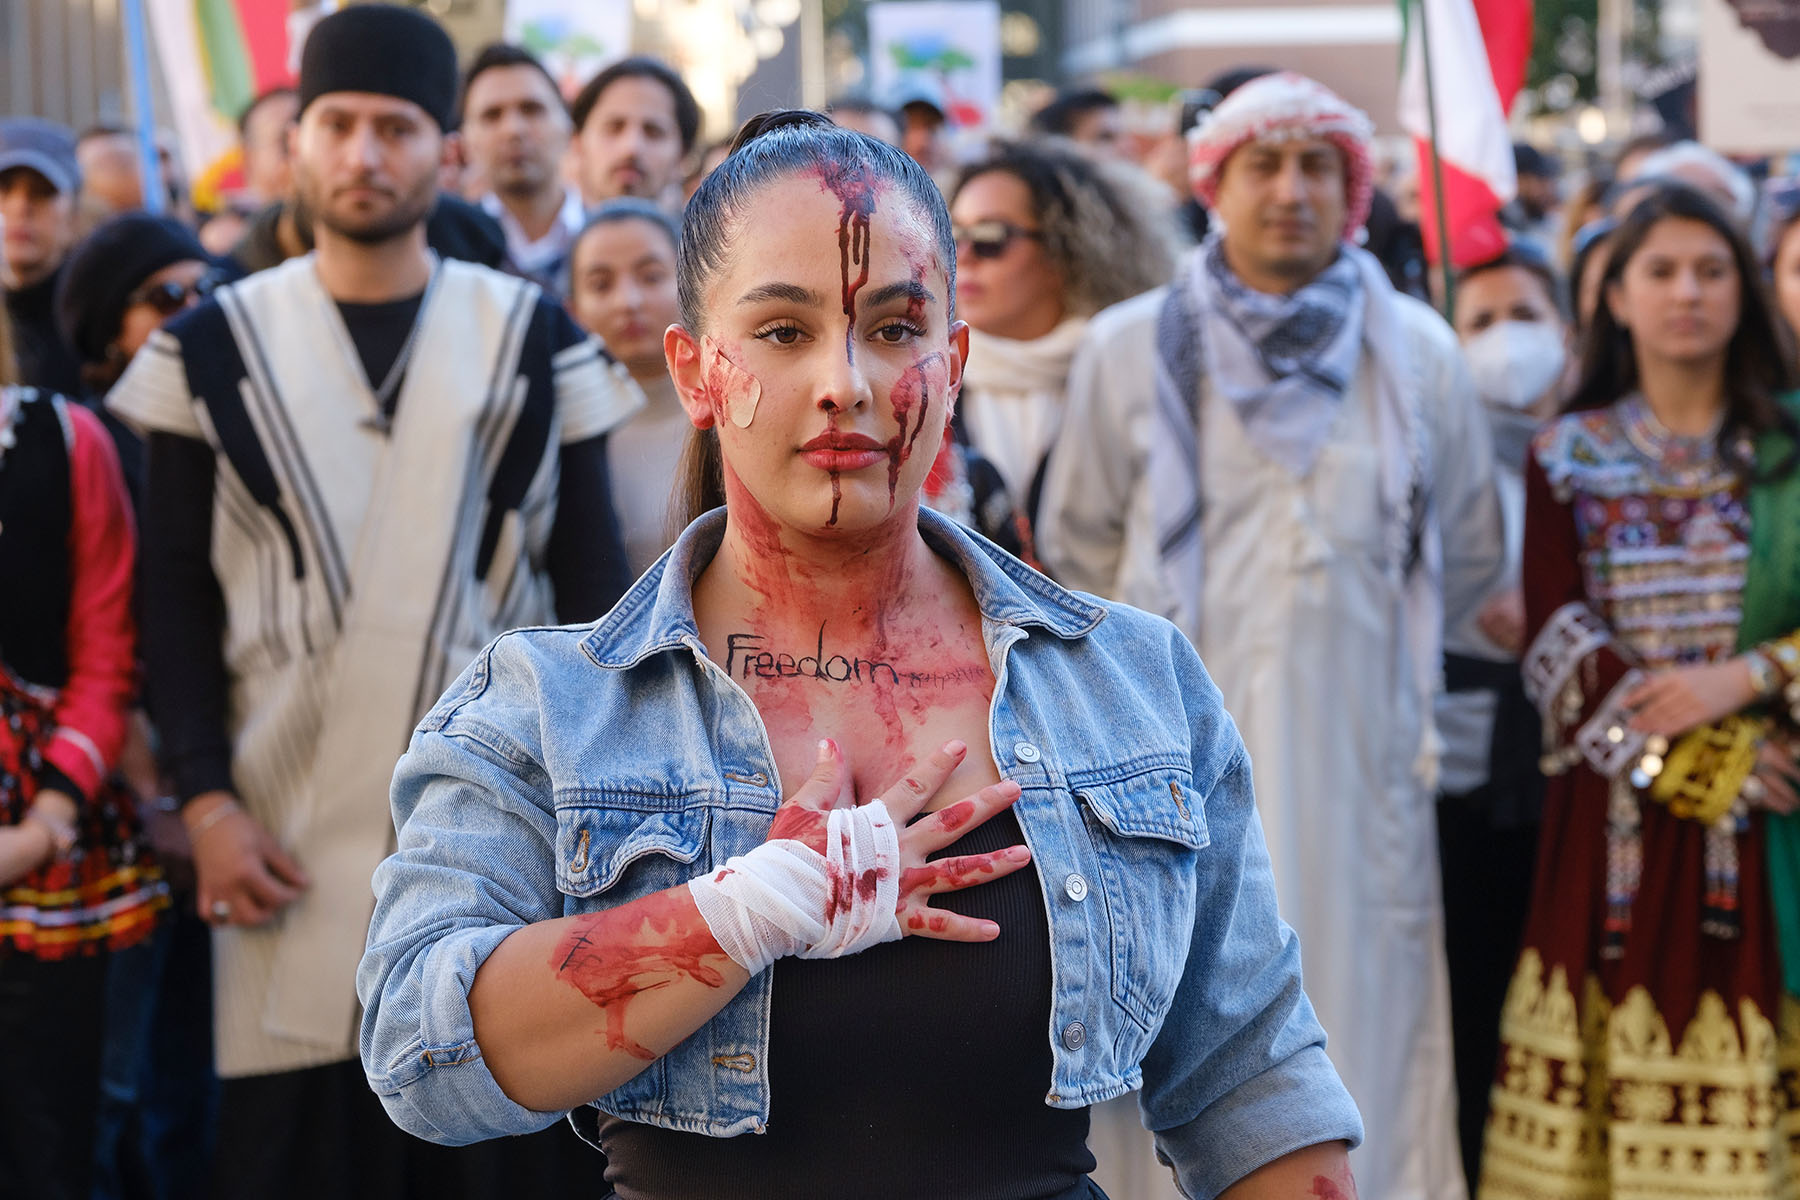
(1106, 226)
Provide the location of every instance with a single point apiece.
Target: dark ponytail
(699, 480)
(772, 146)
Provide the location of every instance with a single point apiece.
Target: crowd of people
(514, 581)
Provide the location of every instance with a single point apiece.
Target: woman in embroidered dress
(75, 881)
(1648, 1049)
(637, 880)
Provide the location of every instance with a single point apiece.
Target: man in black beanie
(375, 462)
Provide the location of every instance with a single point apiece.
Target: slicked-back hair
(1759, 365)
(642, 66)
(772, 147)
(630, 208)
(492, 57)
(613, 212)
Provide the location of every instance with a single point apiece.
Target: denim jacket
(574, 769)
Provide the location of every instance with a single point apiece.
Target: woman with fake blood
(738, 876)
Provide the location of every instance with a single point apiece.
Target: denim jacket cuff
(1295, 1104)
(439, 1087)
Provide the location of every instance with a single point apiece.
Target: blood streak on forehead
(855, 188)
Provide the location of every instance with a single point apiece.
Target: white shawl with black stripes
(361, 571)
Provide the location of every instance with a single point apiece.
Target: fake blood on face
(913, 392)
(855, 189)
(615, 956)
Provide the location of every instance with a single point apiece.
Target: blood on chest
(885, 730)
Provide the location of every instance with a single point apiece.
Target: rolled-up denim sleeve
(475, 861)
(1238, 1076)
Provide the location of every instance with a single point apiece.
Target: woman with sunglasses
(118, 287)
(1046, 236)
(664, 870)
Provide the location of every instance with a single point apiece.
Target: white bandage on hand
(785, 898)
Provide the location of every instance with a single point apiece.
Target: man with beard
(515, 131)
(1284, 455)
(364, 464)
(634, 124)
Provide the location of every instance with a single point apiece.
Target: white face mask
(1515, 362)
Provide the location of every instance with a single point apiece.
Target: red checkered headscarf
(1281, 107)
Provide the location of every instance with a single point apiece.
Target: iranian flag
(215, 57)
(1478, 53)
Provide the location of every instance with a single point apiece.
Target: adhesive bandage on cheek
(735, 390)
(785, 898)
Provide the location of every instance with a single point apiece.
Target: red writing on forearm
(615, 956)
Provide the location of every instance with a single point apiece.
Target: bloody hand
(804, 817)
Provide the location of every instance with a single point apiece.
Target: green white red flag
(1479, 50)
(215, 57)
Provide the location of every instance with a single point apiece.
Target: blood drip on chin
(837, 497)
(605, 957)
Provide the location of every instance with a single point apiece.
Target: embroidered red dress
(67, 675)
(1647, 1048)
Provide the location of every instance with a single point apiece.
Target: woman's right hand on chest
(806, 817)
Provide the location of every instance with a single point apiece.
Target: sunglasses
(169, 297)
(989, 239)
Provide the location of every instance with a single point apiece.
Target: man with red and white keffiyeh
(1284, 456)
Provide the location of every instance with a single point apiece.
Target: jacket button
(1026, 752)
(1076, 887)
(1074, 1035)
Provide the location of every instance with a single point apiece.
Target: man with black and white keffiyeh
(1285, 457)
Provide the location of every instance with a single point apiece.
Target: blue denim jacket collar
(657, 614)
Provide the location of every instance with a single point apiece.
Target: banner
(574, 39)
(1749, 87)
(944, 51)
(215, 57)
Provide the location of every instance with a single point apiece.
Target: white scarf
(1414, 550)
(1014, 393)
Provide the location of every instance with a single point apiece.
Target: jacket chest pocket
(620, 852)
(1147, 832)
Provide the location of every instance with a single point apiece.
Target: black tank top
(914, 1069)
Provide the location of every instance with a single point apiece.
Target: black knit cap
(385, 49)
(106, 268)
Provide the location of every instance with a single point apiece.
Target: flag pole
(1437, 166)
(137, 52)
